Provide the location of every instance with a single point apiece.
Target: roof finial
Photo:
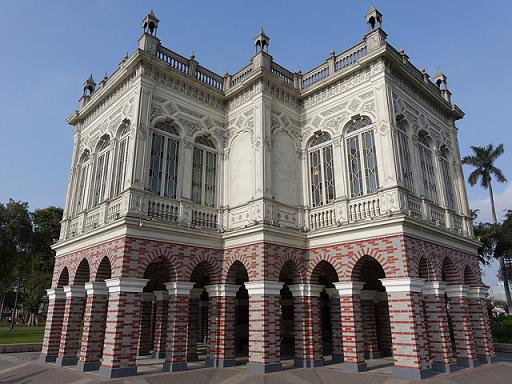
(150, 23)
(261, 41)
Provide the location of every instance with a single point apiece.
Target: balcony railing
(322, 217)
(364, 208)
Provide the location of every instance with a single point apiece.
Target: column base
(303, 363)
(467, 363)
(487, 359)
(336, 359)
(446, 368)
(113, 373)
(372, 355)
(158, 355)
(412, 373)
(66, 361)
(264, 368)
(47, 358)
(88, 366)
(174, 367)
(219, 363)
(352, 367)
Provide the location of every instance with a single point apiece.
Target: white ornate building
(317, 216)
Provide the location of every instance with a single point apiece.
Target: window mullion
(322, 176)
(165, 140)
(204, 159)
(362, 164)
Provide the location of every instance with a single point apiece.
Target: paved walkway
(21, 368)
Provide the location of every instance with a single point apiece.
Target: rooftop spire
(261, 41)
(150, 23)
(373, 18)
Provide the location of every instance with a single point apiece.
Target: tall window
(362, 159)
(122, 158)
(102, 166)
(447, 180)
(404, 155)
(427, 167)
(81, 184)
(321, 168)
(204, 167)
(163, 171)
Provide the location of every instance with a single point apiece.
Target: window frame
(164, 177)
(405, 166)
(82, 183)
(103, 157)
(354, 130)
(123, 148)
(205, 150)
(320, 149)
(445, 165)
(428, 171)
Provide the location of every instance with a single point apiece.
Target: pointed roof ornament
(373, 18)
(89, 86)
(150, 23)
(440, 79)
(261, 41)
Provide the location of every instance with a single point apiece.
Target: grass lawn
(20, 334)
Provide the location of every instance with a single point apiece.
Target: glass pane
(197, 175)
(405, 161)
(357, 124)
(80, 195)
(320, 138)
(450, 199)
(329, 174)
(211, 167)
(205, 140)
(167, 127)
(354, 164)
(316, 178)
(97, 179)
(171, 168)
(121, 166)
(370, 161)
(156, 161)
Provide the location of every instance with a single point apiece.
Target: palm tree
(483, 160)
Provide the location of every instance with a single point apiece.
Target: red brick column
(122, 331)
(437, 321)
(161, 308)
(462, 326)
(308, 331)
(221, 335)
(481, 327)
(73, 316)
(352, 329)
(371, 347)
(93, 333)
(146, 324)
(337, 341)
(177, 326)
(53, 327)
(264, 327)
(193, 323)
(410, 342)
(383, 324)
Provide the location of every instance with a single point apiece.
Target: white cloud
(502, 201)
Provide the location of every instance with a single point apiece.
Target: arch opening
(237, 274)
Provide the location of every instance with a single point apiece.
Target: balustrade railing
(175, 61)
(315, 75)
(437, 215)
(114, 209)
(364, 208)
(322, 217)
(94, 218)
(238, 77)
(282, 73)
(414, 207)
(163, 209)
(204, 217)
(350, 56)
(209, 78)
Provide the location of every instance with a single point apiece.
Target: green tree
(483, 159)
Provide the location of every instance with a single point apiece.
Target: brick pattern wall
(462, 327)
(161, 308)
(383, 327)
(193, 329)
(438, 329)
(145, 328)
(410, 344)
(221, 340)
(371, 347)
(93, 333)
(337, 342)
(264, 330)
(352, 328)
(122, 331)
(73, 317)
(177, 327)
(308, 331)
(53, 327)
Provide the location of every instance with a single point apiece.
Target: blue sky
(50, 48)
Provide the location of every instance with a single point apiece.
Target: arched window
(163, 171)
(447, 180)
(122, 158)
(204, 171)
(321, 168)
(362, 159)
(427, 167)
(404, 155)
(81, 182)
(102, 167)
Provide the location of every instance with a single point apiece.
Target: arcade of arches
(310, 317)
